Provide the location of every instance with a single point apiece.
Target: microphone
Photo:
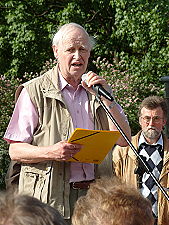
(99, 89)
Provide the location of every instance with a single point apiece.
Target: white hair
(62, 31)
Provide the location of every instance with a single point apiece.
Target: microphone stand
(131, 146)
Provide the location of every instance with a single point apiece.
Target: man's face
(73, 53)
(152, 123)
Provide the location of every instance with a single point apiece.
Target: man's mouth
(76, 64)
(151, 128)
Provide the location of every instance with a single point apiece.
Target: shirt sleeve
(122, 112)
(24, 120)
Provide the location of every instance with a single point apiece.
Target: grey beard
(151, 134)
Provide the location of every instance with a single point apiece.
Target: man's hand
(63, 150)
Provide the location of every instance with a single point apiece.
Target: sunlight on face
(73, 53)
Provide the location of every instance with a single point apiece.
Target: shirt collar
(64, 84)
(142, 140)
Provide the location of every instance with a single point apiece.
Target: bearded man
(153, 147)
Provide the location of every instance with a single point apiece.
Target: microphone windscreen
(84, 78)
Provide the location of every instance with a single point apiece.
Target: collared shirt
(143, 140)
(25, 119)
(80, 111)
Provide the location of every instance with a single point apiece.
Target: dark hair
(153, 102)
(18, 209)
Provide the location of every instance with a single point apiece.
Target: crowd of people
(47, 111)
(108, 201)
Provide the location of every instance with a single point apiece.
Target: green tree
(132, 50)
(7, 89)
(133, 31)
(27, 27)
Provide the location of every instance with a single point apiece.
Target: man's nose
(151, 121)
(77, 54)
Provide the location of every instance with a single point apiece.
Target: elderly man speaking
(47, 111)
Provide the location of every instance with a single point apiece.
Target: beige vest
(49, 181)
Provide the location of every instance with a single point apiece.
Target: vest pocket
(35, 181)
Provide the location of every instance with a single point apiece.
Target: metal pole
(165, 80)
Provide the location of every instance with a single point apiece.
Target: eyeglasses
(155, 119)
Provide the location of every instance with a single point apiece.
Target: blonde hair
(109, 201)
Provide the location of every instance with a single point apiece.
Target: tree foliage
(133, 31)
(7, 89)
(132, 50)
(26, 32)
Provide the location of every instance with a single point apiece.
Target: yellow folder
(96, 144)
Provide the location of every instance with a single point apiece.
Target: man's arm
(122, 121)
(27, 153)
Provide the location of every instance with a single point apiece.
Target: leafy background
(132, 50)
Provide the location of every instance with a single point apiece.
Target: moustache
(151, 128)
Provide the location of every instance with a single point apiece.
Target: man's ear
(55, 51)
(164, 122)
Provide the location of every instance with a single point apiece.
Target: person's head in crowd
(111, 202)
(18, 209)
(152, 117)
